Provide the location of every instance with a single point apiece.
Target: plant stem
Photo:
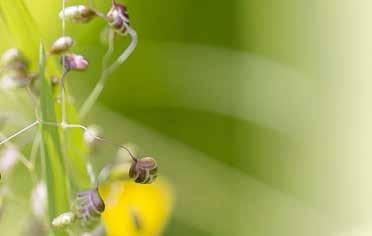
(91, 100)
(19, 132)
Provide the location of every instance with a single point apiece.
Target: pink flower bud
(75, 62)
(61, 45)
(77, 14)
(118, 18)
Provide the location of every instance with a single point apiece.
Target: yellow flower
(136, 209)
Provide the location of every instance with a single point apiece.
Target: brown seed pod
(118, 18)
(89, 205)
(144, 170)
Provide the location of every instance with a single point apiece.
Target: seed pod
(118, 18)
(61, 45)
(89, 205)
(75, 62)
(64, 219)
(144, 170)
(78, 14)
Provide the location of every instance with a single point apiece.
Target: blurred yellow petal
(135, 209)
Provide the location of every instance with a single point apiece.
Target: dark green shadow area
(262, 153)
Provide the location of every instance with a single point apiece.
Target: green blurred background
(258, 110)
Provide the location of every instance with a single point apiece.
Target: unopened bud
(144, 170)
(64, 220)
(118, 18)
(61, 45)
(77, 14)
(75, 62)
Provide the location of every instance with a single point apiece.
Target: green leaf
(56, 178)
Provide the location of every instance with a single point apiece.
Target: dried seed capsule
(75, 62)
(61, 45)
(144, 170)
(64, 219)
(78, 14)
(118, 18)
(89, 205)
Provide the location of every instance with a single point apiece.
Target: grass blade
(56, 178)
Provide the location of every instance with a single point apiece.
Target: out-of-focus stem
(18, 132)
(63, 102)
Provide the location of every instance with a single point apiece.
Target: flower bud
(75, 62)
(144, 170)
(89, 205)
(118, 18)
(64, 219)
(78, 14)
(61, 45)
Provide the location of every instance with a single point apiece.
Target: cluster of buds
(70, 61)
(117, 17)
(14, 71)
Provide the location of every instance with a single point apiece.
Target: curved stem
(91, 100)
